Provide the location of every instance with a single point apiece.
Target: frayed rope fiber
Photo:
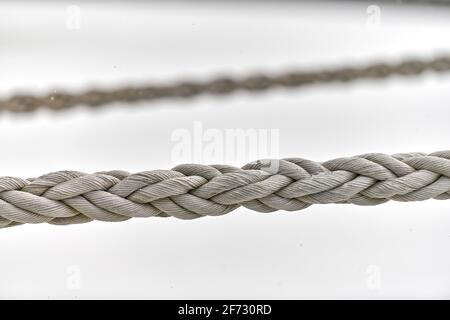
(191, 190)
(294, 79)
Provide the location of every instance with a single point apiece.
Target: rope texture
(191, 191)
(186, 89)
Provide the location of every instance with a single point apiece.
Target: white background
(396, 250)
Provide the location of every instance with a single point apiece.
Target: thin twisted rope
(220, 86)
(191, 191)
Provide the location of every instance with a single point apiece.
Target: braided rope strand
(255, 83)
(191, 191)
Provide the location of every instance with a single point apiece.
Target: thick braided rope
(186, 89)
(191, 191)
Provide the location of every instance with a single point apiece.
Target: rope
(225, 85)
(191, 191)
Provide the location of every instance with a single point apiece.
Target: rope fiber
(191, 191)
(226, 85)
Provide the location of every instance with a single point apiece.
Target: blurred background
(396, 250)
